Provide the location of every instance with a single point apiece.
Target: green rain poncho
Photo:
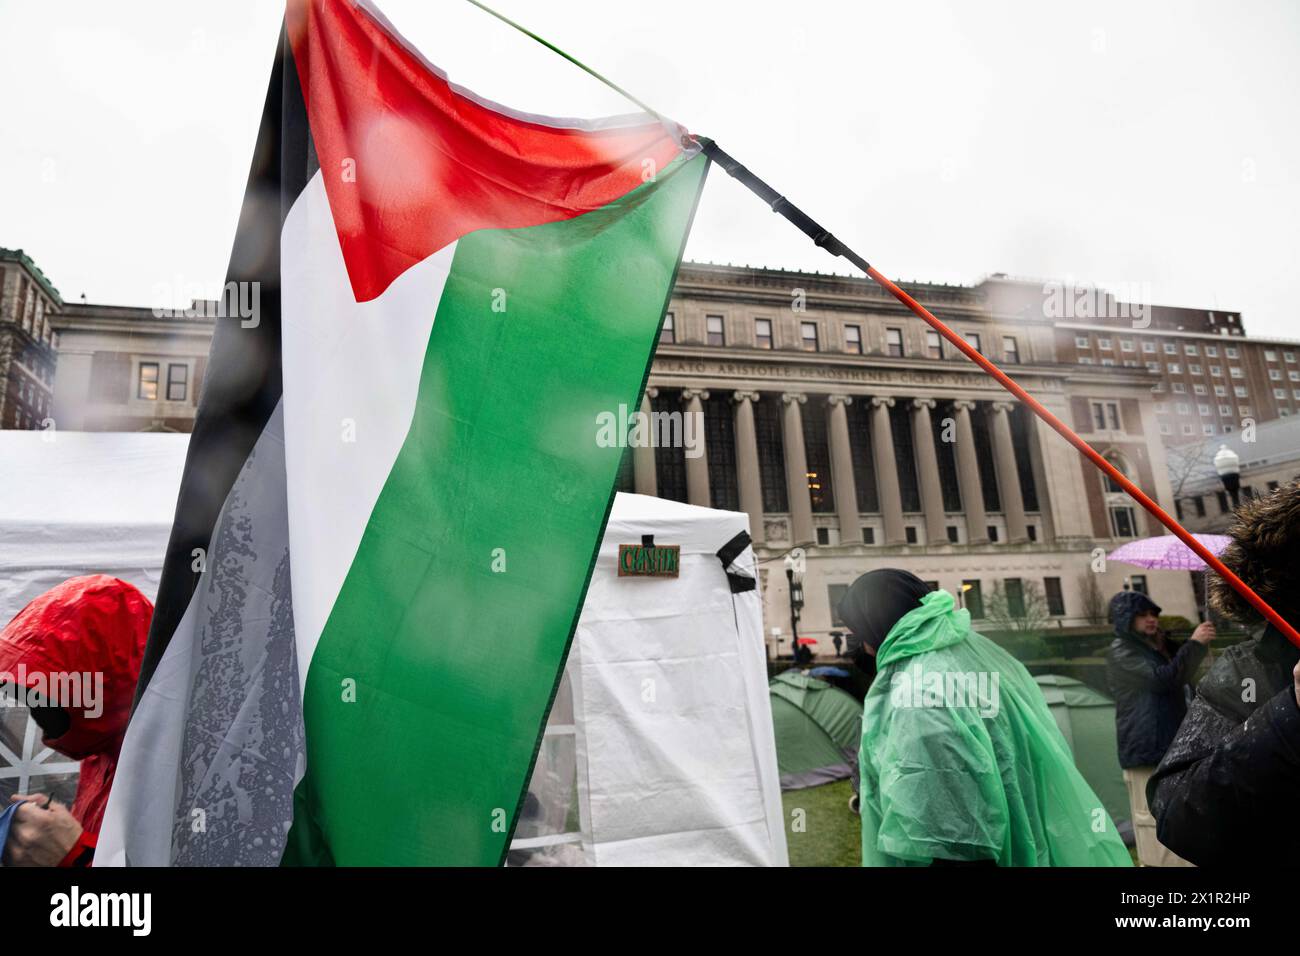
(961, 759)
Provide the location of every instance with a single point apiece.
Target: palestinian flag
(395, 490)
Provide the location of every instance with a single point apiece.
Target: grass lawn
(826, 833)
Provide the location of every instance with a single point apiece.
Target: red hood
(97, 626)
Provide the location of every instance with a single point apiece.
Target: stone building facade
(845, 427)
(128, 369)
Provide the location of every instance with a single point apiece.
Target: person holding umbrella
(1149, 677)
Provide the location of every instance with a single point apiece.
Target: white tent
(660, 747)
(84, 502)
(665, 698)
(76, 503)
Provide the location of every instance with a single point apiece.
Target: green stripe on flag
(455, 663)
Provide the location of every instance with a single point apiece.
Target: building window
(670, 458)
(973, 340)
(1149, 347)
(818, 457)
(1032, 531)
(953, 536)
(910, 531)
(1123, 521)
(835, 594)
(1139, 583)
(974, 599)
(1126, 345)
(900, 426)
(853, 339)
(864, 466)
(1175, 368)
(668, 335)
(949, 485)
(1193, 369)
(771, 453)
(808, 331)
(1191, 350)
(1055, 598)
(720, 452)
(1270, 355)
(992, 531)
(1104, 344)
(763, 333)
(868, 535)
(1212, 351)
(1224, 507)
(1015, 591)
(713, 326)
(823, 536)
(894, 342)
(934, 345)
(984, 458)
(1022, 423)
(1081, 341)
(1171, 348)
(147, 387)
(1180, 388)
(1105, 415)
(178, 377)
(1010, 350)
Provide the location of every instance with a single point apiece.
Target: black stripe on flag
(243, 383)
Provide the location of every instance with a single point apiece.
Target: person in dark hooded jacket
(1148, 676)
(1227, 789)
(86, 637)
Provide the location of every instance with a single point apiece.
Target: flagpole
(823, 238)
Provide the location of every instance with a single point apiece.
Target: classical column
(846, 488)
(697, 465)
(927, 466)
(1004, 453)
(751, 491)
(796, 471)
(968, 475)
(643, 455)
(882, 446)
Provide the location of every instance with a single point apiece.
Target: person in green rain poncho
(961, 760)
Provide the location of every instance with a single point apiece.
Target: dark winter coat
(1149, 687)
(1228, 788)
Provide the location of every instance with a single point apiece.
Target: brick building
(29, 303)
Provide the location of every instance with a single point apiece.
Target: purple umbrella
(1167, 553)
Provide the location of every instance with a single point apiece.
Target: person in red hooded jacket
(88, 634)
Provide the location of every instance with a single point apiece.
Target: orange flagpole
(823, 238)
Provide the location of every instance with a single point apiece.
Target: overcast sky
(1142, 143)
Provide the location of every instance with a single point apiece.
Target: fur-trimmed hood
(1265, 553)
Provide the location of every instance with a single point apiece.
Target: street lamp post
(796, 602)
(1228, 464)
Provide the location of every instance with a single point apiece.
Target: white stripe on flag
(351, 378)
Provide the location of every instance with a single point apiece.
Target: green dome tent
(1087, 719)
(818, 729)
